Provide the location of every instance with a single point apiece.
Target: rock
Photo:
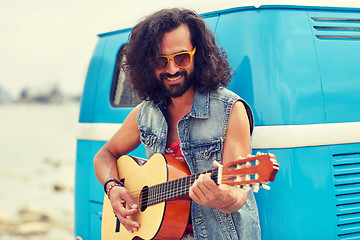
(4, 222)
(58, 187)
(30, 221)
(11, 174)
(32, 213)
(30, 228)
(52, 162)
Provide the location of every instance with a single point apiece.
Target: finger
(129, 200)
(121, 208)
(120, 204)
(123, 215)
(198, 187)
(130, 225)
(201, 193)
(127, 212)
(196, 194)
(216, 164)
(209, 183)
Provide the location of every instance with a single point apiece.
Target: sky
(46, 42)
(50, 42)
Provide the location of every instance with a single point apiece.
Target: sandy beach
(37, 166)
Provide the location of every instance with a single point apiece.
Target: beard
(177, 90)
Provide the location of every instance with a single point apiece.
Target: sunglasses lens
(182, 60)
(160, 63)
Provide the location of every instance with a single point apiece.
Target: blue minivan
(299, 69)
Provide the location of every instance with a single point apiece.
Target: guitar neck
(172, 189)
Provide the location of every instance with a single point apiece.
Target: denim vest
(202, 134)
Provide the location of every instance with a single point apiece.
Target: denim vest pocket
(206, 151)
(150, 140)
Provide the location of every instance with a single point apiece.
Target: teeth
(174, 78)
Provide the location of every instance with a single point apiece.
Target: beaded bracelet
(111, 180)
(111, 187)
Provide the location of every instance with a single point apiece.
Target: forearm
(235, 200)
(121, 201)
(105, 165)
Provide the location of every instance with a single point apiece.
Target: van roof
(206, 7)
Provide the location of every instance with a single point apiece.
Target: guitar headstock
(251, 172)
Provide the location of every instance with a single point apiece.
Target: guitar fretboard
(172, 189)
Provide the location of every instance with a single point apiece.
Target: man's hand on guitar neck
(227, 199)
(123, 206)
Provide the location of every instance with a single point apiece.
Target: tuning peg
(255, 187)
(246, 187)
(240, 158)
(264, 186)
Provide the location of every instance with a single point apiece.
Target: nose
(172, 68)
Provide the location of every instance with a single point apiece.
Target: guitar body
(164, 220)
(160, 188)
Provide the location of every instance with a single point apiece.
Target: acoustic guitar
(160, 188)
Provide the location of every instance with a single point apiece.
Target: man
(176, 67)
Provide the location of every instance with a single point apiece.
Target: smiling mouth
(173, 79)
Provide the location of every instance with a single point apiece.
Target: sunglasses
(181, 60)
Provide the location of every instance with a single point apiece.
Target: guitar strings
(184, 178)
(154, 196)
(177, 182)
(169, 196)
(171, 188)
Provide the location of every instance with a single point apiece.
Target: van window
(121, 94)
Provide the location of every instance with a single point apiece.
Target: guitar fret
(177, 188)
(183, 186)
(153, 195)
(165, 193)
(168, 193)
(149, 195)
(158, 193)
(163, 190)
(172, 189)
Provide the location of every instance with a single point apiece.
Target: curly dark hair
(211, 68)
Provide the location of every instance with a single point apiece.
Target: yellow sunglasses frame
(171, 57)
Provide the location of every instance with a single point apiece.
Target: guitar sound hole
(143, 199)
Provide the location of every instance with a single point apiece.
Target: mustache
(168, 75)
